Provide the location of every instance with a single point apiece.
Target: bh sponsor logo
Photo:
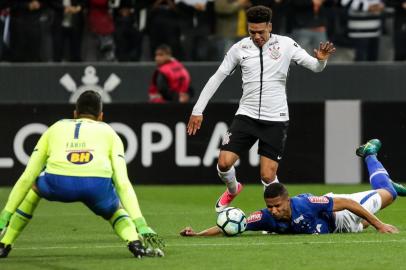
(79, 158)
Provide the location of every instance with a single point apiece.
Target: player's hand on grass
(188, 231)
(152, 241)
(388, 228)
(324, 51)
(195, 122)
(5, 217)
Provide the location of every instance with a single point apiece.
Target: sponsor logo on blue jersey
(79, 158)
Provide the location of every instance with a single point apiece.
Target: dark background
(303, 161)
(39, 83)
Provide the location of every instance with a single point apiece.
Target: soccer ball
(232, 221)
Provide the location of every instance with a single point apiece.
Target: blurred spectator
(101, 27)
(67, 30)
(309, 23)
(29, 21)
(365, 27)
(170, 81)
(231, 23)
(278, 13)
(4, 30)
(163, 26)
(196, 24)
(399, 29)
(128, 36)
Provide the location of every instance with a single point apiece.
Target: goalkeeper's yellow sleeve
(34, 167)
(120, 177)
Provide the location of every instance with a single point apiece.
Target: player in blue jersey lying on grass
(331, 213)
(84, 161)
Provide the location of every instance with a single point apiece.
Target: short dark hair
(259, 14)
(275, 190)
(89, 102)
(165, 48)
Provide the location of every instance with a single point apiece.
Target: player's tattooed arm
(213, 231)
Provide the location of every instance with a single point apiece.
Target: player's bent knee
(268, 175)
(223, 165)
(268, 178)
(386, 196)
(226, 160)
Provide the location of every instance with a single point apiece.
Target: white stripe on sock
(380, 171)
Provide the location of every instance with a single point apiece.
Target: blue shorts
(97, 193)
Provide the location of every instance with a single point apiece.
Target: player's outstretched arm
(196, 118)
(130, 202)
(316, 63)
(213, 231)
(129, 199)
(34, 167)
(357, 209)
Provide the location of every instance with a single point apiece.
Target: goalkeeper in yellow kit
(80, 159)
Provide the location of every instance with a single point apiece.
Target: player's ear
(100, 116)
(270, 27)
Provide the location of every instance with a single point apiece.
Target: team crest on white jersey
(90, 82)
(273, 50)
(226, 138)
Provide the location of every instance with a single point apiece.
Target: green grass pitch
(69, 236)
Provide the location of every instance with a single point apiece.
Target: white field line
(229, 244)
(170, 213)
(181, 213)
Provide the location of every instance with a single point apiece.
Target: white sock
(276, 180)
(229, 179)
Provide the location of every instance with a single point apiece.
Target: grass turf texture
(69, 236)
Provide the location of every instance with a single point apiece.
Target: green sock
(21, 217)
(123, 226)
(400, 189)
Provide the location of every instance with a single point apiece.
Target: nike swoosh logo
(244, 57)
(218, 203)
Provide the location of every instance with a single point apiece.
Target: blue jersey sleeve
(263, 221)
(257, 221)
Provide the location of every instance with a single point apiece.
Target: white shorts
(349, 222)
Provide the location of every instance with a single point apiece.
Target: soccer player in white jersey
(263, 113)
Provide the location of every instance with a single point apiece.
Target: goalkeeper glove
(5, 217)
(151, 239)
